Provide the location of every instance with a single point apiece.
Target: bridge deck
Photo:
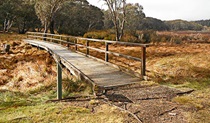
(99, 73)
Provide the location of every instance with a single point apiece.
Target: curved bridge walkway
(100, 74)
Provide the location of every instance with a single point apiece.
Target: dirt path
(151, 104)
(148, 103)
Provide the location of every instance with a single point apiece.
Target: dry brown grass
(24, 68)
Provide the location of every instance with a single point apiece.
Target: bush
(149, 36)
(110, 37)
(129, 38)
(96, 34)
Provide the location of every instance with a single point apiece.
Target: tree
(150, 23)
(94, 17)
(46, 11)
(8, 15)
(203, 22)
(117, 9)
(18, 13)
(26, 17)
(134, 16)
(108, 23)
(78, 17)
(183, 25)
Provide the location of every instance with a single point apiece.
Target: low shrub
(97, 34)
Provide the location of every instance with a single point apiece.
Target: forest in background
(77, 17)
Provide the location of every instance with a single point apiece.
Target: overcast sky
(170, 9)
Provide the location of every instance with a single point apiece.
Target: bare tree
(46, 10)
(117, 10)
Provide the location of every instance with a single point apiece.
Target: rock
(172, 114)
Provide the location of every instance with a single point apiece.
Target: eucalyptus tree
(19, 14)
(117, 9)
(8, 13)
(46, 11)
(77, 17)
(26, 17)
(134, 16)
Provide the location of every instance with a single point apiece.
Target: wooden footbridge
(103, 75)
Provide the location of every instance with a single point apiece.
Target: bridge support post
(143, 62)
(59, 81)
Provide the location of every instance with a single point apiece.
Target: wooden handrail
(60, 38)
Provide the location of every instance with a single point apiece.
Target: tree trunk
(52, 27)
(117, 34)
(22, 29)
(7, 25)
(45, 31)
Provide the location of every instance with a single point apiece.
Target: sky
(170, 9)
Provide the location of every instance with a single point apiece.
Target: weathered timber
(77, 43)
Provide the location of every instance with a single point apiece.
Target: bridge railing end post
(106, 52)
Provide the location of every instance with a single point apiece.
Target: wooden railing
(74, 41)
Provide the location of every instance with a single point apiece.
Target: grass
(18, 107)
(58, 112)
(197, 105)
(32, 106)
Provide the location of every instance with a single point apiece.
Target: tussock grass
(178, 69)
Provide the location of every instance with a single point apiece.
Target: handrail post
(76, 44)
(44, 37)
(35, 36)
(60, 39)
(87, 47)
(68, 42)
(106, 52)
(51, 38)
(143, 62)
